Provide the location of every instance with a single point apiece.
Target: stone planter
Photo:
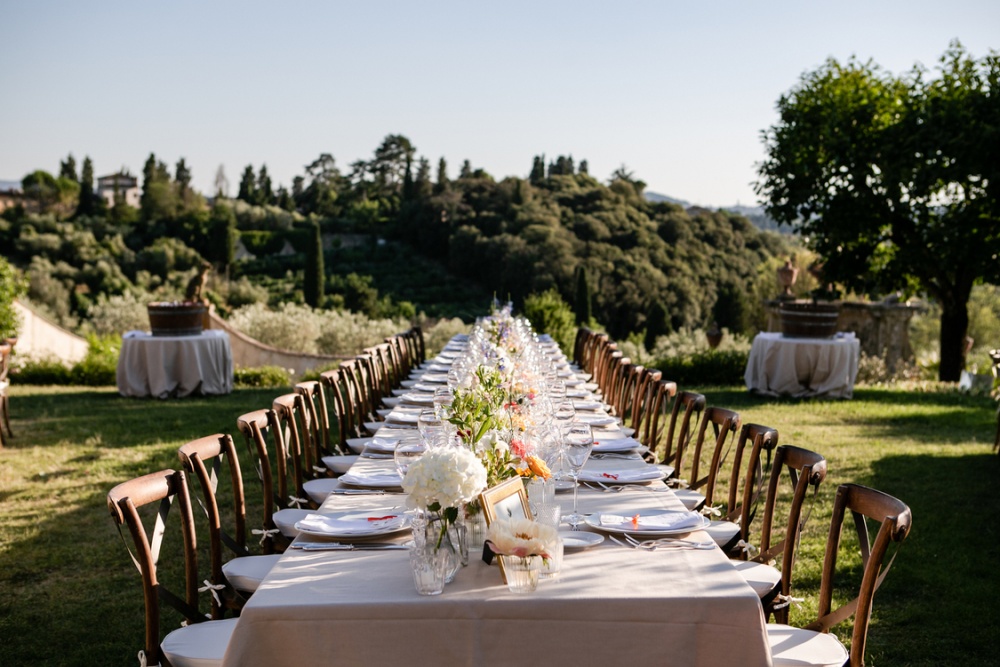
(808, 319)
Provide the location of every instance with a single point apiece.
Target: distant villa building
(124, 183)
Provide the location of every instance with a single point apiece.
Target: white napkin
(587, 405)
(382, 444)
(379, 479)
(616, 445)
(418, 398)
(622, 476)
(596, 420)
(355, 525)
(400, 417)
(577, 393)
(425, 387)
(663, 521)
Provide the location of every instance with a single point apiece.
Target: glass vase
(429, 563)
(475, 529)
(522, 573)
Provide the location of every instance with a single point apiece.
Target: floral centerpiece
(441, 481)
(523, 545)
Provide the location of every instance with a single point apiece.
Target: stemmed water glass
(407, 451)
(578, 440)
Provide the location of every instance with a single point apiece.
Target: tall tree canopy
(895, 180)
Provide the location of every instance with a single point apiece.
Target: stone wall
(882, 328)
(251, 353)
(40, 338)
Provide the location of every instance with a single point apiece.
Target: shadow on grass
(102, 418)
(944, 583)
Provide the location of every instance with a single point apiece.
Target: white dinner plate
(645, 475)
(594, 521)
(347, 525)
(579, 539)
(563, 485)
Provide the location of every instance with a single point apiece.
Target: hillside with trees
(389, 238)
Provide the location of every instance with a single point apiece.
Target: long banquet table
(609, 604)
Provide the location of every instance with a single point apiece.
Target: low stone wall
(40, 338)
(882, 328)
(250, 353)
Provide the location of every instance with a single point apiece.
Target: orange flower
(538, 467)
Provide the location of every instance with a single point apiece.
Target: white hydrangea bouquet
(443, 480)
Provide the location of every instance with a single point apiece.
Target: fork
(673, 542)
(600, 486)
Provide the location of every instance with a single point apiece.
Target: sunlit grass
(72, 597)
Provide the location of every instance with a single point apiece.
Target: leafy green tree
(182, 174)
(159, 199)
(895, 180)
(584, 168)
(264, 192)
(548, 313)
(537, 170)
(423, 188)
(657, 324)
(41, 187)
(315, 278)
(731, 309)
(248, 186)
(466, 171)
(12, 285)
(88, 199)
(583, 308)
(67, 169)
(441, 183)
(224, 234)
(322, 193)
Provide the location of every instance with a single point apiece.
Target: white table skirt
(803, 366)
(164, 366)
(610, 605)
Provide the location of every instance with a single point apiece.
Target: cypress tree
(87, 205)
(657, 324)
(67, 169)
(248, 185)
(583, 310)
(314, 276)
(537, 170)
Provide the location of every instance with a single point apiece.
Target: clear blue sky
(678, 92)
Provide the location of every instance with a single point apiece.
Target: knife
(339, 546)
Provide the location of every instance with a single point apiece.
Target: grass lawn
(70, 595)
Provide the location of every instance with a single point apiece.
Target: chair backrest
(805, 470)
(339, 398)
(317, 416)
(894, 520)
(356, 379)
(259, 428)
(687, 405)
(124, 501)
(652, 430)
(725, 425)
(203, 459)
(417, 336)
(742, 507)
(291, 416)
(580, 344)
(638, 397)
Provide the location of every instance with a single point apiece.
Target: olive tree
(894, 180)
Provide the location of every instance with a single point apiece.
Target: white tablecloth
(803, 366)
(163, 366)
(610, 605)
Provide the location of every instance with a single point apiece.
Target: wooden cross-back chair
(605, 364)
(201, 641)
(593, 352)
(350, 426)
(313, 481)
(356, 380)
(725, 424)
(5, 350)
(259, 428)
(687, 407)
(654, 425)
(615, 379)
(813, 644)
(380, 369)
(579, 345)
(317, 416)
(417, 335)
(638, 399)
(399, 356)
(806, 470)
(203, 459)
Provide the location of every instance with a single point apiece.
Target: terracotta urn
(714, 335)
(787, 275)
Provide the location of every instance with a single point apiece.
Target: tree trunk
(954, 326)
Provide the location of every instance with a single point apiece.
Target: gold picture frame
(505, 501)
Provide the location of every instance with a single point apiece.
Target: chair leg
(5, 409)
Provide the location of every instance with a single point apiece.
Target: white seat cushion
(199, 645)
(391, 401)
(692, 499)
(340, 464)
(762, 577)
(357, 445)
(246, 572)
(722, 532)
(286, 519)
(668, 470)
(319, 489)
(795, 647)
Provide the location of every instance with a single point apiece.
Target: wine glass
(406, 452)
(431, 428)
(578, 440)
